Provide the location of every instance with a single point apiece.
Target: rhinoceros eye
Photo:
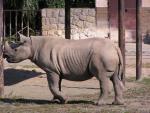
(15, 50)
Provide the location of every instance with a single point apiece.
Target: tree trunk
(138, 42)
(121, 29)
(67, 19)
(1, 52)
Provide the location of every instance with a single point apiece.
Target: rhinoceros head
(17, 52)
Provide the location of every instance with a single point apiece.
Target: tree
(33, 4)
(38, 4)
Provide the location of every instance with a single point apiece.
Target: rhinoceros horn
(7, 46)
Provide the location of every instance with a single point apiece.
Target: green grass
(144, 65)
(130, 79)
(146, 81)
(143, 87)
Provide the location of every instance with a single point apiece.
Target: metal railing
(23, 21)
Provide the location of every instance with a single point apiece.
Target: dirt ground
(26, 90)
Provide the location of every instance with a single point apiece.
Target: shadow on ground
(40, 102)
(14, 76)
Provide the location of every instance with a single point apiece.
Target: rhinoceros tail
(120, 66)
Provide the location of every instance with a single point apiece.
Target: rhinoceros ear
(23, 38)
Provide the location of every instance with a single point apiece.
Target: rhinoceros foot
(99, 103)
(118, 102)
(58, 101)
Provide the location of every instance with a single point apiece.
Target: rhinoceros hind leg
(104, 88)
(118, 89)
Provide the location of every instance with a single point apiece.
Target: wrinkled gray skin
(72, 60)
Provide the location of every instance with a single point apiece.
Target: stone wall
(53, 22)
(82, 20)
(83, 23)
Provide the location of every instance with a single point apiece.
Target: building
(110, 14)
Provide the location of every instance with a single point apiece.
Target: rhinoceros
(74, 60)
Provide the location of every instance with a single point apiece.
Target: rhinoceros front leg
(53, 82)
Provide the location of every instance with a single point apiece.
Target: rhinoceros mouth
(11, 60)
(5, 56)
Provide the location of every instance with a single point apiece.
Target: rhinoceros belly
(73, 62)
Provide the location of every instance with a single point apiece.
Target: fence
(27, 22)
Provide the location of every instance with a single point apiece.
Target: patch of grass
(146, 65)
(130, 79)
(138, 91)
(134, 92)
(63, 108)
(145, 81)
(73, 110)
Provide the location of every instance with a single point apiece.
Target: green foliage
(38, 4)
(30, 5)
(82, 3)
(33, 4)
(146, 81)
(56, 3)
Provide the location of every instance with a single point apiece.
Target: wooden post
(98, 6)
(121, 31)
(67, 19)
(138, 42)
(1, 52)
